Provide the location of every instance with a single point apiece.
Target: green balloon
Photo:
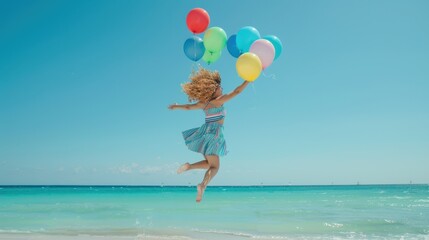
(210, 57)
(214, 39)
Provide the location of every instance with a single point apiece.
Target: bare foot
(200, 192)
(183, 168)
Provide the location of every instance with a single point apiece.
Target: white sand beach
(21, 236)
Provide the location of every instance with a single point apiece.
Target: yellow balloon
(248, 66)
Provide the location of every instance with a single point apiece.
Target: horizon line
(250, 185)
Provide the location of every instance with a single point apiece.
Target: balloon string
(272, 76)
(195, 47)
(253, 87)
(195, 66)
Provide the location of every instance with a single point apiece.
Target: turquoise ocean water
(258, 212)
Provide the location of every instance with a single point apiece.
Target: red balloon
(197, 20)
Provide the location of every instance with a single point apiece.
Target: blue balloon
(245, 37)
(276, 43)
(232, 46)
(194, 48)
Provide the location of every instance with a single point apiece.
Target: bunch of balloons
(209, 48)
(253, 52)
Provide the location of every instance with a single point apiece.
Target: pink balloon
(265, 50)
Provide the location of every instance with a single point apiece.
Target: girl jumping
(205, 90)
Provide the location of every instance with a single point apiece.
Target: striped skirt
(207, 139)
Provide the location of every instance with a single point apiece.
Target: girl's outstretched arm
(226, 97)
(194, 106)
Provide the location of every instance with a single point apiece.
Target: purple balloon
(265, 50)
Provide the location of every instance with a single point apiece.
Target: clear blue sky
(84, 89)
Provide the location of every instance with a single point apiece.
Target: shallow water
(261, 212)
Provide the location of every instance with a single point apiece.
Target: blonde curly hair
(202, 86)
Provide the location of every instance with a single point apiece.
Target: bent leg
(203, 164)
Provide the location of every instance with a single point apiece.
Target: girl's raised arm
(226, 97)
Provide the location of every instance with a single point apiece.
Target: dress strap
(206, 105)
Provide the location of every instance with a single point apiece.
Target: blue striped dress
(208, 139)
